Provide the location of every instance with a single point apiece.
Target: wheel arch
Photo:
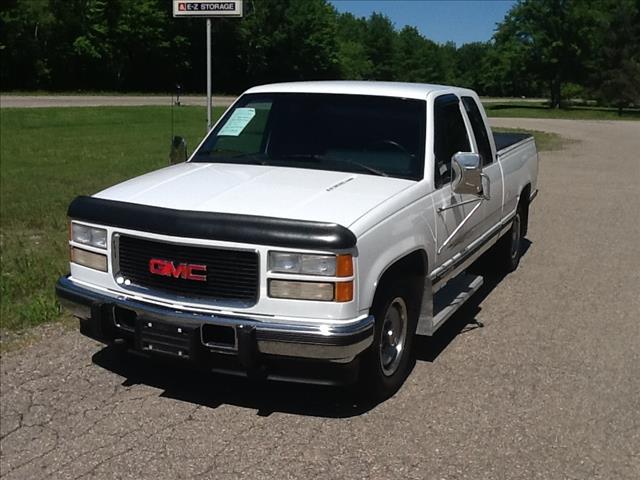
(523, 203)
(413, 265)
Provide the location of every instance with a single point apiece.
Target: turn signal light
(344, 265)
(344, 292)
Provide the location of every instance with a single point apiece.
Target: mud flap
(425, 319)
(448, 300)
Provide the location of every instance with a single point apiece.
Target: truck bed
(505, 140)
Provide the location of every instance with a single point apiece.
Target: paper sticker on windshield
(238, 120)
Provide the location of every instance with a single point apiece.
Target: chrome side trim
(471, 253)
(459, 227)
(533, 195)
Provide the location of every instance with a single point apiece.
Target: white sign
(239, 119)
(207, 8)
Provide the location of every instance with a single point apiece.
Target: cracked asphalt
(549, 388)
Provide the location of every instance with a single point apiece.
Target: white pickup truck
(312, 234)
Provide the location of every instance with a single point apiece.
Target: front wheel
(387, 362)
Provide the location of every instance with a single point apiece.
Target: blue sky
(460, 21)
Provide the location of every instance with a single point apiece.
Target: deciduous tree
(552, 39)
(617, 73)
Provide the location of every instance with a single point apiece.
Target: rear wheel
(505, 255)
(388, 361)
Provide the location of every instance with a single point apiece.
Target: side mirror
(178, 152)
(467, 174)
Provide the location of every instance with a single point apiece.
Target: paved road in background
(39, 101)
(548, 389)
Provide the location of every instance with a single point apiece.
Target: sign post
(209, 99)
(208, 9)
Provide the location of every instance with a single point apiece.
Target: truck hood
(284, 192)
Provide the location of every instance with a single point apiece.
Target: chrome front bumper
(332, 341)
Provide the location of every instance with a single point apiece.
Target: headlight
(340, 266)
(301, 290)
(307, 264)
(319, 291)
(86, 235)
(89, 259)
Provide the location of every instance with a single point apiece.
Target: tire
(506, 253)
(389, 360)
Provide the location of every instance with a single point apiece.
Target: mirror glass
(178, 152)
(467, 176)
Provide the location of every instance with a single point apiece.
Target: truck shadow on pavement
(464, 321)
(213, 390)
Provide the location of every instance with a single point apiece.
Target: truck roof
(384, 89)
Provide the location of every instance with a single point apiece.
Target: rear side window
(479, 129)
(450, 136)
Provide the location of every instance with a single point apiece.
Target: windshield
(348, 133)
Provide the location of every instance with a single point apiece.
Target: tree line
(559, 49)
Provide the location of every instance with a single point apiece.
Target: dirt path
(548, 389)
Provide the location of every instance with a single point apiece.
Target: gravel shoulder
(548, 388)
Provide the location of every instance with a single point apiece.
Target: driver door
(450, 137)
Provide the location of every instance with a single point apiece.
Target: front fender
(408, 230)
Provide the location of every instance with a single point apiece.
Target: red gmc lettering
(187, 271)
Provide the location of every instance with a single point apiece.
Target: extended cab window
(349, 133)
(450, 136)
(479, 129)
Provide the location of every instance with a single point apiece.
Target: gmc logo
(186, 271)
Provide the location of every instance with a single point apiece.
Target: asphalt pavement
(548, 388)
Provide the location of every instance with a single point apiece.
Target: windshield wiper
(255, 158)
(319, 158)
(366, 167)
(251, 158)
(300, 156)
(203, 152)
(248, 155)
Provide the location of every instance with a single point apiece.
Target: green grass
(544, 140)
(48, 156)
(540, 110)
